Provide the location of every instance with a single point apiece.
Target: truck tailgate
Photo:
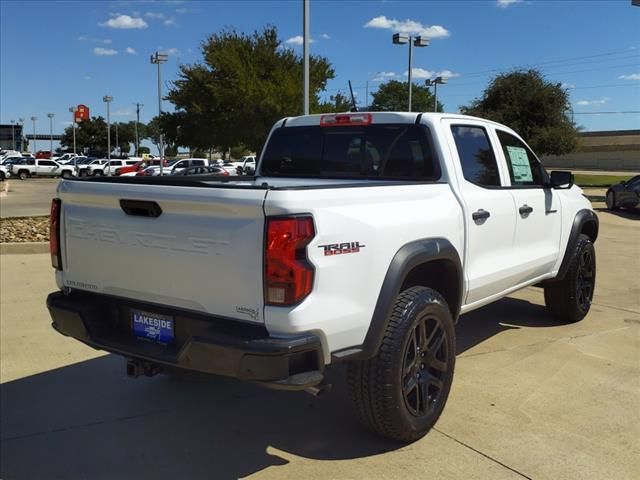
(203, 252)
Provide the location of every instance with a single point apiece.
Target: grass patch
(599, 180)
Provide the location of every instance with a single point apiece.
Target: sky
(57, 54)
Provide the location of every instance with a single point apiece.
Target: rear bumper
(202, 343)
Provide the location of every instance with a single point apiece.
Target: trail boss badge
(341, 248)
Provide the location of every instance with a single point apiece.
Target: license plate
(152, 326)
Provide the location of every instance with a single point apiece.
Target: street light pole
(108, 99)
(33, 119)
(418, 41)
(305, 54)
(117, 143)
(158, 59)
(21, 123)
(72, 110)
(13, 135)
(138, 105)
(435, 82)
(50, 115)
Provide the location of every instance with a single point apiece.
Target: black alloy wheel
(586, 279)
(425, 366)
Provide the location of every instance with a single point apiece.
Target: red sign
(81, 113)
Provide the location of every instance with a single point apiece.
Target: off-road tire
(23, 174)
(376, 385)
(569, 300)
(611, 200)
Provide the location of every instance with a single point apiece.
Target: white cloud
(125, 22)
(407, 26)
(507, 3)
(567, 85)
(106, 41)
(102, 52)
(169, 21)
(122, 113)
(297, 40)
(325, 36)
(154, 15)
(182, 10)
(386, 74)
(601, 101)
(87, 77)
(421, 73)
(130, 50)
(173, 52)
(633, 76)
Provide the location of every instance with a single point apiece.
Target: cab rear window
(387, 151)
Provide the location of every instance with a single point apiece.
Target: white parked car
(4, 173)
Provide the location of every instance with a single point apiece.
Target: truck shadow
(88, 420)
(630, 213)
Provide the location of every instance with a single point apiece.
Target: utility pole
(305, 53)
(117, 143)
(21, 123)
(72, 110)
(138, 105)
(13, 135)
(158, 59)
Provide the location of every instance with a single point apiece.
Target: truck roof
(376, 118)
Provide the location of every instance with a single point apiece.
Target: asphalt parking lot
(531, 399)
(27, 198)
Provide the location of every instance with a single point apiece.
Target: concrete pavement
(531, 399)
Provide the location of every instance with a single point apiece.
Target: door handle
(480, 215)
(525, 209)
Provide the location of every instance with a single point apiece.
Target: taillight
(54, 234)
(288, 275)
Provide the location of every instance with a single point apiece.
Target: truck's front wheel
(401, 392)
(569, 300)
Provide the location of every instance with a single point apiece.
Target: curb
(21, 248)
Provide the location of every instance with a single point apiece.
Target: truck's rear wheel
(569, 300)
(66, 174)
(98, 173)
(23, 174)
(401, 392)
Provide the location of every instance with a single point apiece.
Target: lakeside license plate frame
(153, 327)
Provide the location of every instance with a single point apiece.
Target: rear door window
(478, 161)
(393, 151)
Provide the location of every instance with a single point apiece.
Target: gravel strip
(24, 229)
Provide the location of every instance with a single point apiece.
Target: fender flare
(582, 218)
(406, 259)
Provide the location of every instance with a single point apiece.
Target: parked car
(176, 166)
(43, 154)
(65, 158)
(248, 166)
(4, 173)
(625, 194)
(109, 168)
(131, 170)
(41, 168)
(84, 168)
(203, 171)
(362, 239)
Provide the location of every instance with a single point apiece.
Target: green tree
(244, 84)
(393, 96)
(532, 106)
(337, 103)
(91, 135)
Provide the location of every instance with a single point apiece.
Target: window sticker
(520, 164)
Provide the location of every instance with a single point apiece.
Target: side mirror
(561, 179)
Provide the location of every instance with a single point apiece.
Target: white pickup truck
(35, 167)
(362, 238)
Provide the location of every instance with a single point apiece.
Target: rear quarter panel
(346, 287)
